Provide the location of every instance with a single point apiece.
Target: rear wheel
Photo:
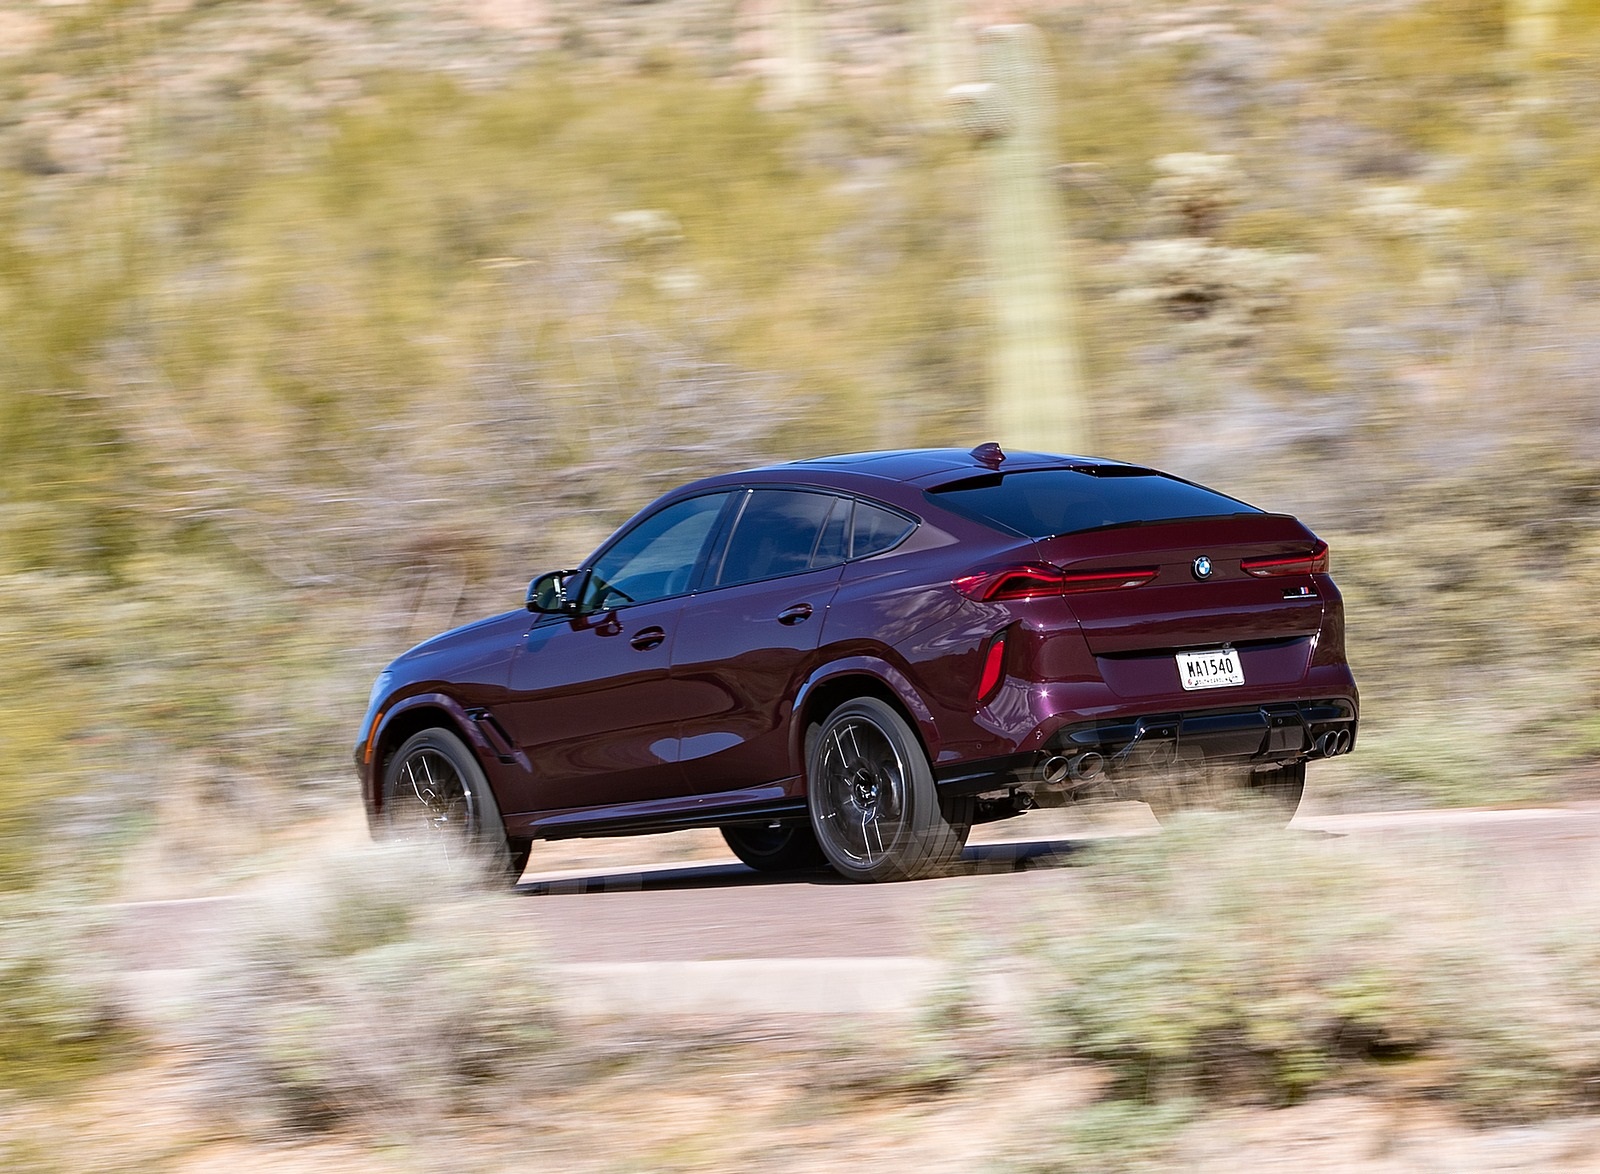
(1274, 793)
(873, 804)
(1280, 789)
(789, 847)
(435, 792)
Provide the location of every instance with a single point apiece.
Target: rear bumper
(1262, 735)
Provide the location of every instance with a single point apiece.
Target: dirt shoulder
(771, 1098)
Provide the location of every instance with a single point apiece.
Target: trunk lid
(1179, 608)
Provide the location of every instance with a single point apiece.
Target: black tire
(435, 791)
(1274, 794)
(1281, 788)
(789, 847)
(874, 808)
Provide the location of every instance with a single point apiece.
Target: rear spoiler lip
(1162, 542)
(1140, 523)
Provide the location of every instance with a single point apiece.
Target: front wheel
(788, 847)
(435, 792)
(873, 804)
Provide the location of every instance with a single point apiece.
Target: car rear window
(1041, 503)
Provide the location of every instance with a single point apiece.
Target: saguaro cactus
(942, 63)
(1531, 27)
(1532, 30)
(1036, 368)
(798, 77)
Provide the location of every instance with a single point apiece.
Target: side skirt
(755, 805)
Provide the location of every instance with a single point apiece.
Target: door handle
(647, 638)
(796, 614)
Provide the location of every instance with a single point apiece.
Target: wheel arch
(413, 715)
(842, 681)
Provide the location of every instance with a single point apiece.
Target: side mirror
(557, 593)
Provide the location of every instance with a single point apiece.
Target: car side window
(782, 531)
(877, 530)
(833, 544)
(656, 559)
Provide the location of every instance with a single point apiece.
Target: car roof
(927, 467)
(897, 477)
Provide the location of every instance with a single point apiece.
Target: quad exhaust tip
(1080, 768)
(1333, 742)
(1086, 766)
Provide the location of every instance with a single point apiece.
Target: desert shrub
(392, 318)
(1217, 957)
(380, 990)
(1197, 191)
(58, 637)
(1222, 295)
(1114, 1137)
(1225, 960)
(182, 696)
(61, 1012)
(1432, 756)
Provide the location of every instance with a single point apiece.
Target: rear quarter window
(1041, 503)
(877, 530)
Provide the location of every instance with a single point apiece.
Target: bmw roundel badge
(1202, 567)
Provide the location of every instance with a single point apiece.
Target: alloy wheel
(430, 802)
(864, 781)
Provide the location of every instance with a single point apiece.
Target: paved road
(718, 911)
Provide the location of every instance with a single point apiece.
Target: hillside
(324, 325)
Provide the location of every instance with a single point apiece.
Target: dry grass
(1221, 962)
(1404, 996)
(322, 332)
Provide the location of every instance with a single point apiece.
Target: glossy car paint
(693, 709)
(590, 700)
(736, 668)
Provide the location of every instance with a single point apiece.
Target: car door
(747, 639)
(590, 700)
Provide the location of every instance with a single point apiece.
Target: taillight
(1076, 581)
(1021, 582)
(1032, 580)
(1310, 562)
(994, 664)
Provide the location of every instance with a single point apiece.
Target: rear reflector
(994, 663)
(1311, 562)
(1032, 580)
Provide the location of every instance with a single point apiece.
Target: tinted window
(657, 557)
(833, 545)
(876, 530)
(1045, 502)
(781, 531)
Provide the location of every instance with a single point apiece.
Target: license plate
(1210, 670)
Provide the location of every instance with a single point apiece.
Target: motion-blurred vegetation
(382, 991)
(325, 325)
(1223, 963)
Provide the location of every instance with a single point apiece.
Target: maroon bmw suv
(852, 660)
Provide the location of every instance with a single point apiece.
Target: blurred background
(326, 324)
